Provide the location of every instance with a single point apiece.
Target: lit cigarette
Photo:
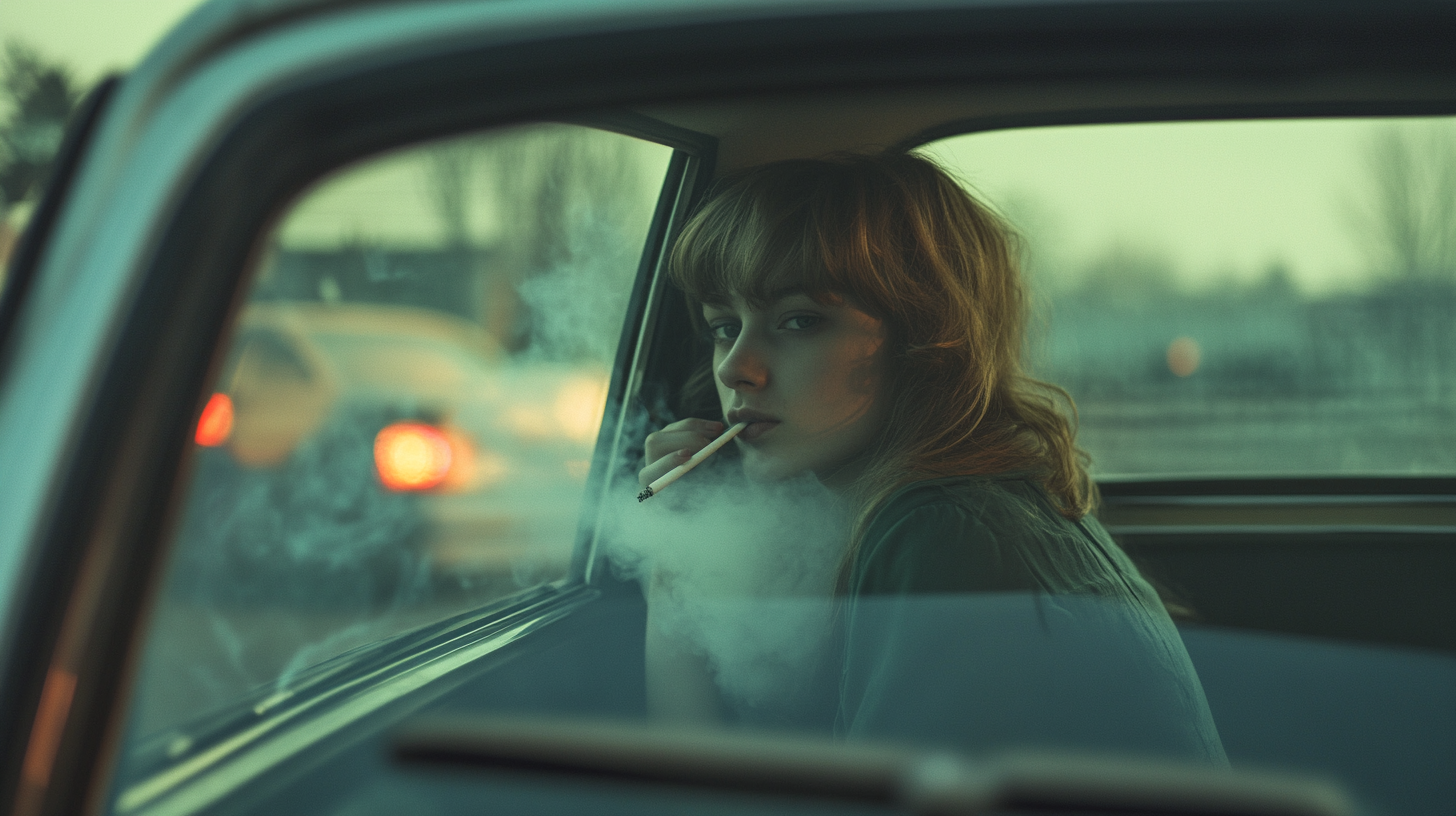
(677, 473)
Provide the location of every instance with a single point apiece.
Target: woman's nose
(744, 369)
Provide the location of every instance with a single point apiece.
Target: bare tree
(451, 170)
(563, 194)
(552, 178)
(1130, 273)
(40, 97)
(1408, 217)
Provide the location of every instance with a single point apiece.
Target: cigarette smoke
(576, 307)
(278, 568)
(738, 572)
(742, 574)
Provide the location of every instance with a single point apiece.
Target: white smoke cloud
(742, 573)
(577, 305)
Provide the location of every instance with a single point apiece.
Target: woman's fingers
(658, 469)
(675, 444)
(692, 434)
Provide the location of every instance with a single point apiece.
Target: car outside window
(1258, 298)
(404, 419)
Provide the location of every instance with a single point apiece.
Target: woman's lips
(758, 428)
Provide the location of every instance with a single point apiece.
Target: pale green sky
(393, 199)
(1221, 201)
(92, 36)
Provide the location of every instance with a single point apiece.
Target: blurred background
(1244, 298)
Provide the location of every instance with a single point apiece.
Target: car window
(1239, 298)
(404, 418)
(403, 424)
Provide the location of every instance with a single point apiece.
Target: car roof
(755, 128)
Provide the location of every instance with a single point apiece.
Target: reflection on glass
(405, 420)
(1241, 298)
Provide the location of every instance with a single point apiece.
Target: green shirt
(980, 618)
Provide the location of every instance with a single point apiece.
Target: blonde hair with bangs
(899, 236)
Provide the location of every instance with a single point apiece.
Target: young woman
(867, 318)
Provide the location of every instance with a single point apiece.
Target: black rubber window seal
(26, 260)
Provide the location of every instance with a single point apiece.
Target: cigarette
(677, 473)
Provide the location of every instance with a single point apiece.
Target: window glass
(1240, 298)
(405, 415)
(404, 422)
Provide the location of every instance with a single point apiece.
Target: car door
(211, 244)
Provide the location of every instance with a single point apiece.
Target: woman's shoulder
(956, 534)
(980, 496)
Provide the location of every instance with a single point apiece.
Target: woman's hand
(675, 444)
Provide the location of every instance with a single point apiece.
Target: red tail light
(412, 456)
(215, 425)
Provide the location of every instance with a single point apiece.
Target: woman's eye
(722, 332)
(802, 322)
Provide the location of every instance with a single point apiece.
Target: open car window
(1239, 299)
(405, 417)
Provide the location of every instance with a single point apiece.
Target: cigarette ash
(741, 573)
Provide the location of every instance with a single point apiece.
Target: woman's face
(809, 376)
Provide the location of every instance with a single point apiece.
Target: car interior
(439, 320)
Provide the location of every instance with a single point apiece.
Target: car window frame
(23, 264)
(689, 173)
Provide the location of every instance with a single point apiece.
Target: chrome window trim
(687, 183)
(1277, 500)
(218, 770)
(1181, 531)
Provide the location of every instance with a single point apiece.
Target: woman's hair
(910, 246)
